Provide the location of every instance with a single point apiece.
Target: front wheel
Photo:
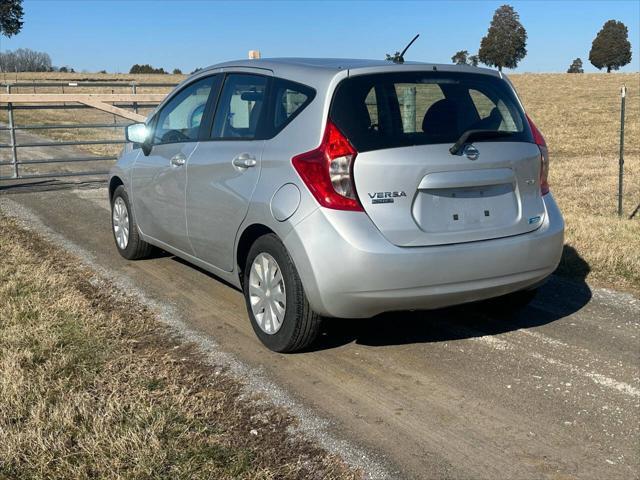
(125, 230)
(277, 305)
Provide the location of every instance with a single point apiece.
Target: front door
(223, 171)
(159, 178)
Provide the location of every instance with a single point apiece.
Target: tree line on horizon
(146, 68)
(27, 60)
(505, 45)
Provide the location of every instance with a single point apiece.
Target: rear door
(224, 170)
(412, 187)
(159, 178)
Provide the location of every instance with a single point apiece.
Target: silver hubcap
(267, 294)
(121, 223)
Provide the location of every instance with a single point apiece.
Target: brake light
(544, 156)
(327, 171)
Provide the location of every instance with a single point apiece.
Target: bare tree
(25, 60)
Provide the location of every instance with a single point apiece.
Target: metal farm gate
(123, 105)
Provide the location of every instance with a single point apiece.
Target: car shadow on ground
(564, 294)
(556, 299)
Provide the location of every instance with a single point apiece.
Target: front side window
(180, 119)
(240, 107)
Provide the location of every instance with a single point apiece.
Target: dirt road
(467, 392)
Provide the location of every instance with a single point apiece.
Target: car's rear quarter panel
(304, 133)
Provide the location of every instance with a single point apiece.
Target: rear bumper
(349, 270)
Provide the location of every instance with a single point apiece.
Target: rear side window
(255, 107)
(288, 99)
(420, 108)
(240, 107)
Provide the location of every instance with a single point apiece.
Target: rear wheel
(277, 305)
(125, 230)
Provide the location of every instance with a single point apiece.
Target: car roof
(303, 66)
(321, 73)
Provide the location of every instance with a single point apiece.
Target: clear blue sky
(113, 35)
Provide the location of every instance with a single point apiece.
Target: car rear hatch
(414, 189)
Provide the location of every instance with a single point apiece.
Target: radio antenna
(400, 58)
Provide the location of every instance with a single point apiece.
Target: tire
(133, 248)
(299, 325)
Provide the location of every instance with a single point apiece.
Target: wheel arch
(247, 238)
(114, 183)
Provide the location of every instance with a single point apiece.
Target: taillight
(544, 157)
(328, 171)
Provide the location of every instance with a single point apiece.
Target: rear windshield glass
(420, 108)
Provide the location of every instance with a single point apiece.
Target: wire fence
(73, 140)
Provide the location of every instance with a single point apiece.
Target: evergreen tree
(611, 47)
(506, 41)
(576, 66)
(460, 57)
(10, 17)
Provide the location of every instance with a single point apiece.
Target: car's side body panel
(158, 193)
(218, 195)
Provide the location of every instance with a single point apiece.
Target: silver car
(341, 188)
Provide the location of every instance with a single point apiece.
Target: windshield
(390, 110)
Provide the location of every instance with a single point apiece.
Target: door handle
(178, 160)
(244, 160)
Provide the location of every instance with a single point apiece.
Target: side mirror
(137, 133)
(141, 134)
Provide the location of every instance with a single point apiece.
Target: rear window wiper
(471, 135)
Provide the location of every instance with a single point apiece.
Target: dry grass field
(579, 116)
(92, 387)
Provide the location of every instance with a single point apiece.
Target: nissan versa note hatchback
(341, 188)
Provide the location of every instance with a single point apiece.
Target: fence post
(623, 95)
(409, 109)
(134, 91)
(12, 136)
